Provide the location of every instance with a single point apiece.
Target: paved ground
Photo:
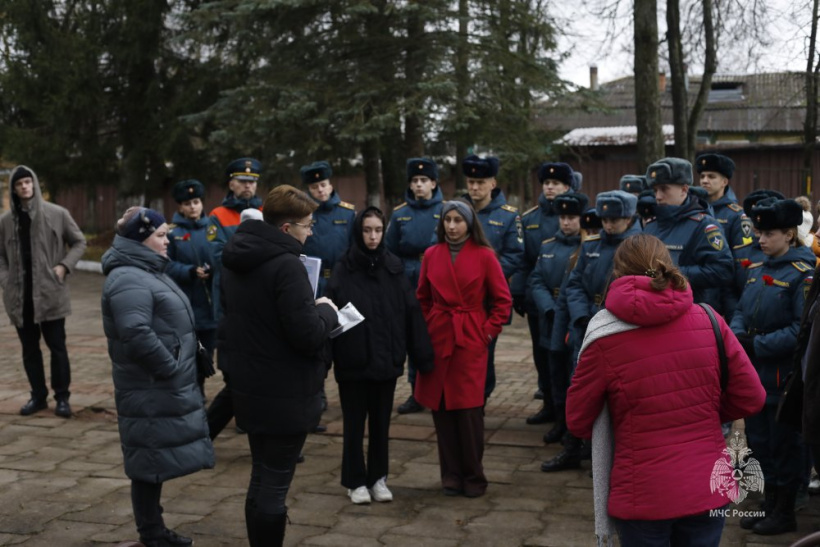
(62, 483)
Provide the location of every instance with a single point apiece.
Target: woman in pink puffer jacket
(652, 358)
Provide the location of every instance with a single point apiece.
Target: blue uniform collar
(615, 239)
(546, 205)
(496, 201)
(239, 205)
(330, 204)
(568, 240)
(794, 254)
(189, 224)
(728, 198)
(411, 200)
(672, 213)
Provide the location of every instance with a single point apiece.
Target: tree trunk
(647, 93)
(372, 174)
(414, 68)
(812, 80)
(709, 69)
(463, 86)
(680, 106)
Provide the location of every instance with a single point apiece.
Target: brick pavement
(62, 482)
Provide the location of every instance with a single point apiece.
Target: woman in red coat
(465, 300)
(652, 358)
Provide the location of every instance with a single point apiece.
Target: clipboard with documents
(313, 266)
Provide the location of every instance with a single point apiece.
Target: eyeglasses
(308, 227)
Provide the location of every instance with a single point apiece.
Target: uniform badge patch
(210, 234)
(746, 226)
(714, 236)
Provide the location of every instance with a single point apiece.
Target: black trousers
(460, 436)
(541, 356)
(371, 401)
(53, 332)
(220, 412)
(273, 463)
(147, 510)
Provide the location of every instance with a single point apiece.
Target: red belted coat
(465, 303)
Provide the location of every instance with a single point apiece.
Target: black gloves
(748, 342)
(519, 304)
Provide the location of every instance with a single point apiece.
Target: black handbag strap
(724, 364)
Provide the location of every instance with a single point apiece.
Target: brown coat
(55, 239)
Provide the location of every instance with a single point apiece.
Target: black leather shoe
(410, 406)
(320, 428)
(564, 460)
(543, 416)
(555, 434)
(32, 406)
(169, 538)
(63, 409)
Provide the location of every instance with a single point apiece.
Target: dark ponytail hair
(644, 254)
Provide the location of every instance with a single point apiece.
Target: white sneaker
(359, 495)
(380, 492)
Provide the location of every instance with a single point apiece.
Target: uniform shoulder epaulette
(171, 226)
(596, 237)
(801, 266)
(509, 208)
(735, 207)
(399, 206)
(754, 265)
(742, 245)
(528, 211)
(697, 217)
(548, 240)
(347, 205)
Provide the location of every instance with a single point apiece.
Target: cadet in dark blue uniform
(411, 231)
(191, 260)
(501, 224)
(544, 287)
(694, 239)
(243, 178)
(633, 184)
(540, 223)
(766, 324)
(585, 290)
(590, 277)
(332, 221)
(715, 171)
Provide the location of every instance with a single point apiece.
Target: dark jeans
(373, 402)
(695, 531)
(541, 357)
(53, 333)
(273, 460)
(778, 447)
(147, 510)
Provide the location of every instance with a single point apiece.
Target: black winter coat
(274, 338)
(393, 326)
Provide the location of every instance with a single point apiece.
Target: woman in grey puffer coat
(150, 329)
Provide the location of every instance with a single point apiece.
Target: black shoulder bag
(724, 363)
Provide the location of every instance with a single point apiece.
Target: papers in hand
(349, 317)
(313, 266)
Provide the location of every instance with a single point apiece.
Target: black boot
(269, 530)
(770, 493)
(543, 416)
(250, 522)
(32, 406)
(410, 406)
(568, 458)
(559, 429)
(781, 519)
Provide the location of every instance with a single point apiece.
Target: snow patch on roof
(609, 136)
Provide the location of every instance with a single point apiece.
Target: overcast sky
(586, 42)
